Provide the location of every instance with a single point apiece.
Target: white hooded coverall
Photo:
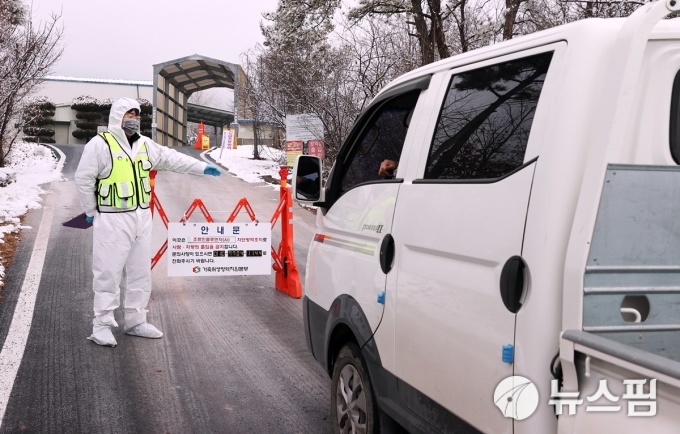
(122, 240)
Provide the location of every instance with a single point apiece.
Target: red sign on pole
(316, 148)
(293, 149)
(199, 138)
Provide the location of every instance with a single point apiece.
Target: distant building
(62, 90)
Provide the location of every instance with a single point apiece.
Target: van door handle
(386, 253)
(512, 283)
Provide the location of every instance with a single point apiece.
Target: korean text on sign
(219, 249)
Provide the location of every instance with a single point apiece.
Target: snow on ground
(31, 165)
(240, 162)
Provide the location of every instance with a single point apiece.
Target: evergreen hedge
(84, 134)
(38, 131)
(88, 109)
(40, 139)
(37, 114)
(89, 116)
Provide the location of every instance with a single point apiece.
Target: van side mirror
(306, 183)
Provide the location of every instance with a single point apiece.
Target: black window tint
(675, 120)
(382, 138)
(484, 124)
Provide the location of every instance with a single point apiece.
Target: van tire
(353, 408)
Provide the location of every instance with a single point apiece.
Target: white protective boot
(101, 330)
(145, 330)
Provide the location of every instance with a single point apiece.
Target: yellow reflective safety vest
(128, 186)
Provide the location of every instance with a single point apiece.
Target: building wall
(63, 90)
(268, 134)
(64, 124)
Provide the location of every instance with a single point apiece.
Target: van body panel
(656, 91)
(346, 249)
(449, 262)
(573, 96)
(600, 360)
(664, 422)
(360, 206)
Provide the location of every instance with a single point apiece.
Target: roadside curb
(207, 157)
(61, 158)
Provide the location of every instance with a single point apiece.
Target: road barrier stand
(287, 275)
(287, 278)
(197, 203)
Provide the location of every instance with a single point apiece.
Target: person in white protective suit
(114, 188)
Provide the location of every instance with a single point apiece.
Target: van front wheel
(352, 402)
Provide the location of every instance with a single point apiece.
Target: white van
(531, 230)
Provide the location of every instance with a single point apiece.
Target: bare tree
(473, 26)
(380, 50)
(510, 17)
(315, 82)
(538, 15)
(296, 23)
(427, 20)
(27, 53)
(312, 64)
(258, 97)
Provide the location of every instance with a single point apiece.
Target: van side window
(675, 119)
(381, 138)
(484, 124)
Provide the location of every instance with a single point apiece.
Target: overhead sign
(303, 127)
(219, 249)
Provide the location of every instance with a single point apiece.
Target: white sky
(123, 39)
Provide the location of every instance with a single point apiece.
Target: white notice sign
(219, 249)
(303, 127)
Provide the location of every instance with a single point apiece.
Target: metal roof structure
(209, 115)
(174, 81)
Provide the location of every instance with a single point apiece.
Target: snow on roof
(38, 100)
(99, 80)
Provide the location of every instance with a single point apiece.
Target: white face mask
(131, 126)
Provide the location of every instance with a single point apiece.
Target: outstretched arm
(164, 158)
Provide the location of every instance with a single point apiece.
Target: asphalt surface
(233, 358)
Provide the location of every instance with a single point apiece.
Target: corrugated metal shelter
(174, 81)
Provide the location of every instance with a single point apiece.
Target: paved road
(233, 358)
